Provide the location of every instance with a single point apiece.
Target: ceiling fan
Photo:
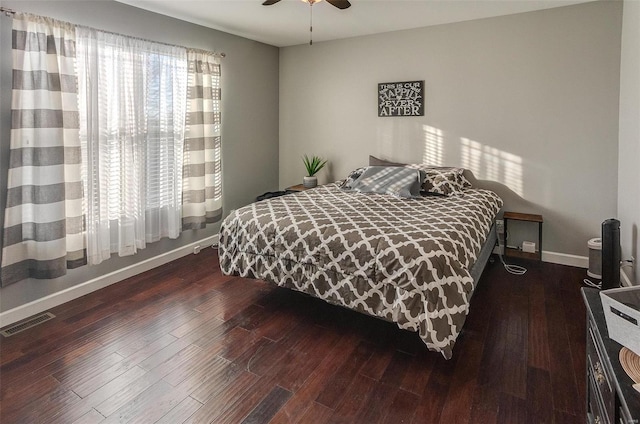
(340, 4)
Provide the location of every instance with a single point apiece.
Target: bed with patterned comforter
(402, 260)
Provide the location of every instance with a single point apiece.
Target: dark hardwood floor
(183, 343)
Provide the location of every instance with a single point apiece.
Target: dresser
(610, 397)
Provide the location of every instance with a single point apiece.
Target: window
(115, 143)
(132, 132)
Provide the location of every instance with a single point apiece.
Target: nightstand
(296, 188)
(611, 398)
(525, 217)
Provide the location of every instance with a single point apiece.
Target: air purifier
(611, 254)
(595, 258)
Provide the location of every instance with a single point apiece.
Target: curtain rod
(10, 12)
(7, 11)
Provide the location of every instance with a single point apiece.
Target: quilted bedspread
(403, 260)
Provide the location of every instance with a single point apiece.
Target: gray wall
(249, 117)
(528, 100)
(629, 155)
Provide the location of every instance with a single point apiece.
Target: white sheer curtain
(132, 113)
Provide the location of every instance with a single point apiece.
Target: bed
(412, 261)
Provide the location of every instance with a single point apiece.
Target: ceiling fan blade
(340, 4)
(270, 2)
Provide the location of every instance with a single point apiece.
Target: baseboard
(37, 306)
(580, 262)
(558, 258)
(565, 259)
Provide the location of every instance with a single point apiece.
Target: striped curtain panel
(202, 172)
(43, 228)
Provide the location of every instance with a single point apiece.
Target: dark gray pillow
(374, 161)
(396, 181)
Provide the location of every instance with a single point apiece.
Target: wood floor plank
(118, 399)
(146, 351)
(268, 406)
(272, 354)
(459, 398)
(216, 371)
(305, 357)
(182, 412)
(80, 378)
(206, 314)
(418, 373)
(343, 376)
(34, 365)
(220, 400)
(435, 392)
(40, 409)
(561, 417)
(239, 408)
(142, 336)
(247, 357)
(377, 404)
(538, 343)
(140, 385)
(402, 408)
(539, 396)
(484, 409)
(563, 380)
(378, 362)
(114, 387)
(352, 399)
(168, 351)
(395, 372)
(201, 362)
(316, 413)
(16, 396)
(216, 380)
(306, 395)
(512, 410)
(91, 417)
(149, 406)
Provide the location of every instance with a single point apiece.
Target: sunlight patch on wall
(433, 146)
(489, 163)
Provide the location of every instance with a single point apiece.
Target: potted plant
(313, 164)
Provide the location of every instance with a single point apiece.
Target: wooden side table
(296, 188)
(526, 217)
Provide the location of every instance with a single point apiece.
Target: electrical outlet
(500, 226)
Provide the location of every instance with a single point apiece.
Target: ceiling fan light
(311, 2)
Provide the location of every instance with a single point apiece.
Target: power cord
(590, 283)
(510, 268)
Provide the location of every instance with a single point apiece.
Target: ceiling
(287, 22)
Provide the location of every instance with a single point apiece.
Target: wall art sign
(401, 98)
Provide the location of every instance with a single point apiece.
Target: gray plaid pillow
(396, 181)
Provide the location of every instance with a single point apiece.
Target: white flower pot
(310, 182)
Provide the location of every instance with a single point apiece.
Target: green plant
(313, 164)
